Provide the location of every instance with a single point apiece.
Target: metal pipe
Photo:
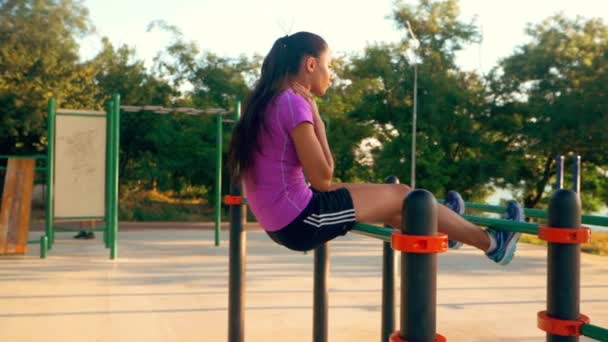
(536, 213)
(388, 282)
(218, 178)
(50, 155)
(237, 255)
(320, 294)
(388, 291)
(559, 184)
(115, 143)
(414, 121)
(419, 271)
(576, 176)
(563, 263)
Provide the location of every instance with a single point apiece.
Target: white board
(80, 166)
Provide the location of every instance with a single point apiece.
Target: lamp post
(415, 44)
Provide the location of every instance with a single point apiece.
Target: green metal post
(563, 263)
(115, 177)
(419, 271)
(109, 134)
(320, 294)
(50, 170)
(218, 178)
(44, 245)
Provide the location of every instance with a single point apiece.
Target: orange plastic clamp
(233, 200)
(396, 337)
(420, 244)
(564, 235)
(560, 327)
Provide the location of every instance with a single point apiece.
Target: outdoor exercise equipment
(418, 243)
(81, 171)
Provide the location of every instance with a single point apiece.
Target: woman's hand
(302, 91)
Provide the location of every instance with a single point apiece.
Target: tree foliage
(474, 133)
(549, 98)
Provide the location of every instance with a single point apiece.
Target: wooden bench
(16, 206)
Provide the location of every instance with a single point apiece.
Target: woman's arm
(312, 146)
(312, 156)
(321, 134)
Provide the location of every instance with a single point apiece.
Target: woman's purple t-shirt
(275, 186)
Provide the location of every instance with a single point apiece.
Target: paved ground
(172, 286)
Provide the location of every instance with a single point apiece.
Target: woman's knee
(401, 190)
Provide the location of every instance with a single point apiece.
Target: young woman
(280, 143)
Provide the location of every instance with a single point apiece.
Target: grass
(598, 244)
(152, 205)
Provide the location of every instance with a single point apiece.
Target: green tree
(453, 152)
(549, 98)
(38, 60)
(118, 71)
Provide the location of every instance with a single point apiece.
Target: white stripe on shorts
(338, 213)
(319, 225)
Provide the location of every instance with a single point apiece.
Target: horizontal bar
(382, 233)
(78, 218)
(182, 110)
(32, 156)
(595, 332)
(514, 226)
(69, 230)
(537, 213)
(78, 112)
(2, 168)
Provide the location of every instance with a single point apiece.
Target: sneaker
(506, 242)
(90, 235)
(454, 201)
(81, 235)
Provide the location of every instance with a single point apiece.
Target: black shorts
(328, 215)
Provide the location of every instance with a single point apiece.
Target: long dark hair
(282, 61)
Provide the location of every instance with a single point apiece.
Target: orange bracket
(233, 200)
(561, 327)
(564, 235)
(396, 337)
(419, 244)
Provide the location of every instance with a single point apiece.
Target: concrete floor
(172, 286)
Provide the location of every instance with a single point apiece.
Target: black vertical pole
(236, 300)
(388, 283)
(320, 304)
(419, 271)
(388, 291)
(563, 265)
(559, 184)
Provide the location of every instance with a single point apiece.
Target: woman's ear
(311, 63)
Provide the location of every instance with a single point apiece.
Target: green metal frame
(110, 228)
(536, 213)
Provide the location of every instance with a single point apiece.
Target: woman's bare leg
(383, 202)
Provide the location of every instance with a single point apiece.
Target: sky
(234, 27)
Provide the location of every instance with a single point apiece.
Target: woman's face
(320, 75)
